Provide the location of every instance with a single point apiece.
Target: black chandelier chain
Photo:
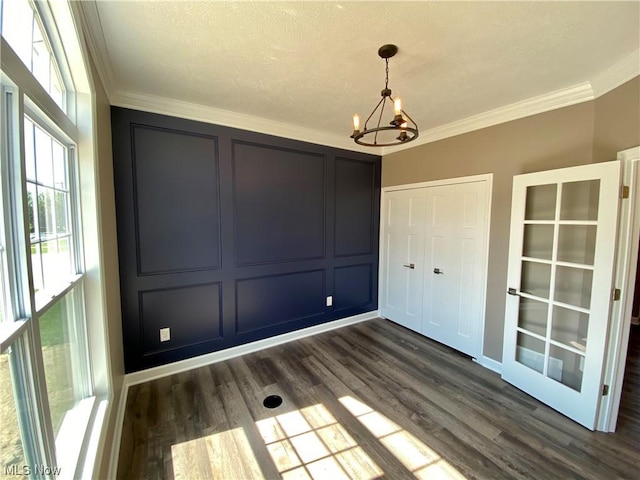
(386, 74)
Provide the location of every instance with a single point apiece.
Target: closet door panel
(439, 272)
(402, 282)
(455, 271)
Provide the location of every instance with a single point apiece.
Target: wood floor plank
(372, 400)
(239, 417)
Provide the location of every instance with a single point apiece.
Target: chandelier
(401, 129)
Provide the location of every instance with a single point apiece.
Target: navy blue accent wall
(227, 236)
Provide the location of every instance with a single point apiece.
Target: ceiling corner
(619, 73)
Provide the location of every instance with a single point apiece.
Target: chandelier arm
(375, 138)
(410, 119)
(374, 111)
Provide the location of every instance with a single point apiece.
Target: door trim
(486, 177)
(624, 279)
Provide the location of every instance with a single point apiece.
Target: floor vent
(272, 401)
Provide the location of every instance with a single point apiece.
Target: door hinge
(605, 390)
(616, 294)
(624, 191)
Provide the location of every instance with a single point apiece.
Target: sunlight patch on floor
(310, 444)
(417, 457)
(225, 455)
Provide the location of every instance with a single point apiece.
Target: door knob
(410, 265)
(437, 271)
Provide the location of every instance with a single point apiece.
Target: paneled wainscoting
(227, 237)
(371, 400)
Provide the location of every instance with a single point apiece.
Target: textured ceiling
(314, 64)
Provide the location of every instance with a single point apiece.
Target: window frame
(25, 95)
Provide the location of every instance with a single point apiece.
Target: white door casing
(561, 258)
(626, 263)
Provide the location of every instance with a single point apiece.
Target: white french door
(404, 228)
(561, 259)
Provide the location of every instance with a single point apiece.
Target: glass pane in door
(530, 352)
(538, 241)
(541, 202)
(536, 279)
(566, 367)
(533, 315)
(580, 200)
(570, 327)
(577, 244)
(573, 286)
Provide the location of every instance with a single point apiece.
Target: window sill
(71, 437)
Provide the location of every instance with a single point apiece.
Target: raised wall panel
(265, 302)
(279, 204)
(354, 197)
(176, 200)
(193, 313)
(352, 286)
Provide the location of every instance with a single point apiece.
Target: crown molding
(228, 118)
(94, 38)
(619, 73)
(532, 106)
(543, 103)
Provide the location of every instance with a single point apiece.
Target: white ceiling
(313, 64)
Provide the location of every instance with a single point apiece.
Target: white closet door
(403, 244)
(455, 265)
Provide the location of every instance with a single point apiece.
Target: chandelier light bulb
(356, 122)
(397, 106)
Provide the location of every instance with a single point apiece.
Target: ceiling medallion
(402, 124)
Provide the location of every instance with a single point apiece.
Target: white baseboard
(490, 363)
(209, 358)
(117, 433)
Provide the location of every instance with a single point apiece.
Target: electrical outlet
(329, 301)
(165, 334)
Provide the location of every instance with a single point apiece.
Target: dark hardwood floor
(372, 400)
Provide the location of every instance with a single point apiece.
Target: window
(49, 210)
(23, 30)
(49, 413)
